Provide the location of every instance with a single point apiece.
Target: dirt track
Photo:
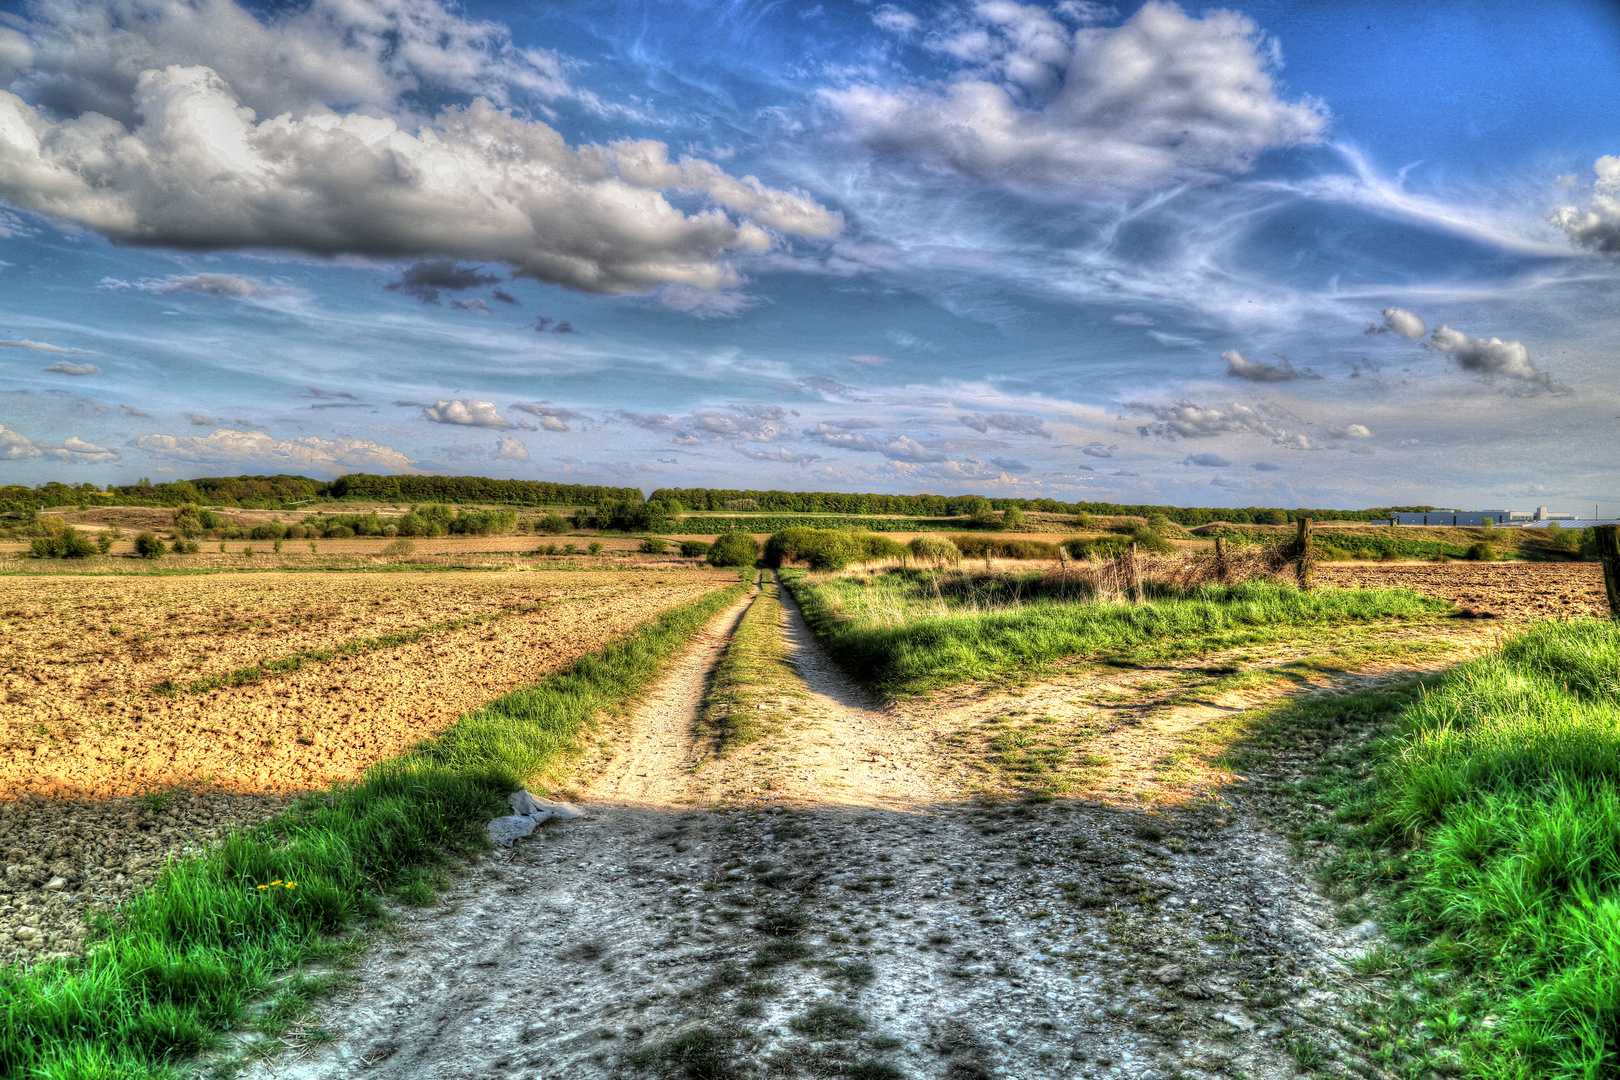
(849, 896)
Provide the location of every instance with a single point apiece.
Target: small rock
(57, 882)
(1363, 930)
(503, 830)
(1237, 1020)
(1169, 974)
(525, 805)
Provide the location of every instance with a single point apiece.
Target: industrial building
(1541, 515)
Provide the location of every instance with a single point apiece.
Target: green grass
(1483, 807)
(754, 671)
(184, 959)
(904, 637)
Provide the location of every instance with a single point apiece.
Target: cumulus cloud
(425, 279)
(510, 450)
(1490, 357)
(1350, 431)
(1213, 461)
(227, 445)
(198, 419)
(64, 368)
(550, 417)
(15, 446)
(479, 183)
(1596, 228)
(1187, 420)
(781, 453)
(76, 451)
(1013, 422)
(467, 412)
(1161, 97)
(1238, 367)
(899, 448)
(230, 286)
(1399, 322)
(40, 346)
(1097, 449)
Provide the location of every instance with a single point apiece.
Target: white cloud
(64, 368)
(467, 412)
(1162, 97)
(899, 448)
(1188, 420)
(1134, 318)
(1239, 367)
(1350, 431)
(894, 20)
(76, 451)
(227, 285)
(479, 183)
(15, 446)
(705, 303)
(781, 453)
(1489, 356)
(1598, 227)
(1401, 323)
(227, 445)
(510, 450)
(40, 346)
(1212, 461)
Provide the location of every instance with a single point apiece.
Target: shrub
(934, 549)
(1482, 552)
(594, 547)
(693, 549)
(271, 530)
(1329, 553)
(829, 549)
(296, 532)
(546, 549)
(339, 532)
(1271, 517)
(184, 547)
(104, 542)
(1562, 539)
(734, 549)
(552, 524)
(654, 545)
(1012, 518)
(148, 546)
(67, 544)
(1112, 547)
(975, 546)
(398, 547)
(979, 511)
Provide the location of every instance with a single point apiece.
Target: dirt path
(841, 901)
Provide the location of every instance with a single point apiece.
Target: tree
(735, 548)
(979, 511)
(1012, 518)
(148, 546)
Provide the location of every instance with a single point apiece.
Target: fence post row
(1304, 569)
(1608, 545)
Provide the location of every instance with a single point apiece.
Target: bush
(1482, 552)
(1012, 518)
(339, 532)
(734, 549)
(184, 547)
(979, 511)
(829, 549)
(974, 546)
(1146, 540)
(693, 549)
(594, 547)
(272, 530)
(104, 542)
(1562, 539)
(552, 524)
(148, 546)
(67, 544)
(654, 545)
(934, 549)
(398, 547)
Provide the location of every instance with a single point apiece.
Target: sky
(1276, 254)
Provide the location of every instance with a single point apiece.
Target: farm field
(105, 775)
(1516, 590)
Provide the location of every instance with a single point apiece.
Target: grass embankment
(904, 639)
(1484, 812)
(183, 960)
(754, 672)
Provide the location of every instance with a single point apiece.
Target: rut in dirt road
(883, 923)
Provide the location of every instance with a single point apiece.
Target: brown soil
(1506, 590)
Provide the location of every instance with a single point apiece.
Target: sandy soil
(1507, 590)
(849, 892)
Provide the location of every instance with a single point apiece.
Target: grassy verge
(183, 960)
(912, 654)
(1476, 816)
(754, 668)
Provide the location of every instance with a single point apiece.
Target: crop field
(1506, 590)
(143, 714)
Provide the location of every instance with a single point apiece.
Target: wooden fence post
(1220, 560)
(1136, 576)
(1305, 567)
(1608, 545)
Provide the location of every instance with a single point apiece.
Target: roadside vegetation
(906, 631)
(1474, 816)
(181, 962)
(744, 702)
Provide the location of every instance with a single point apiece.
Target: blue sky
(1275, 254)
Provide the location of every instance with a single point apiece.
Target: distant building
(1481, 517)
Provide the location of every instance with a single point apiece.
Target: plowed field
(1508, 590)
(82, 717)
